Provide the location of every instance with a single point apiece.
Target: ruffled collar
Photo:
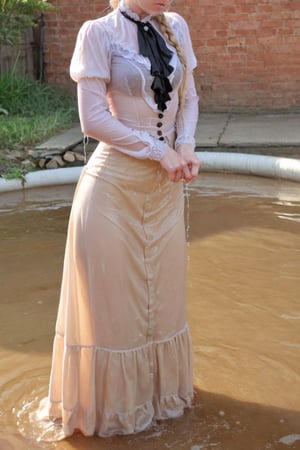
(153, 46)
(123, 7)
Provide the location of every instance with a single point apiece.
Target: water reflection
(243, 305)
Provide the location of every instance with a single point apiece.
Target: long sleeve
(97, 122)
(187, 116)
(90, 68)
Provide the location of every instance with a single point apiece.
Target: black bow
(153, 46)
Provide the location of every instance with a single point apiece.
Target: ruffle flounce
(107, 392)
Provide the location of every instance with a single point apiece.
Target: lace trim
(129, 54)
(133, 55)
(135, 16)
(117, 46)
(156, 153)
(132, 14)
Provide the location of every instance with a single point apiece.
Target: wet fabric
(122, 352)
(116, 102)
(122, 349)
(153, 46)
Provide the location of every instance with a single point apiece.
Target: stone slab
(62, 141)
(210, 129)
(262, 130)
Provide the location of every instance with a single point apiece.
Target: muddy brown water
(243, 304)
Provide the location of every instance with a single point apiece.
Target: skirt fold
(122, 350)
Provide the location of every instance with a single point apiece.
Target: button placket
(159, 125)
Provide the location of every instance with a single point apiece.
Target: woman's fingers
(193, 163)
(193, 166)
(187, 174)
(181, 166)
(173, 164)
(175, 176)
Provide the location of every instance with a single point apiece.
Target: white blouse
(116, 102)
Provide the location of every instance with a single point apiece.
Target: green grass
(19, 132)
(31, 111)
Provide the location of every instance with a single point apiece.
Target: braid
(168, 33)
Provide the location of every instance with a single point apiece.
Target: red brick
(248, 50)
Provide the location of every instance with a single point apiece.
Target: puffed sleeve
(92, 56)
(182, 33)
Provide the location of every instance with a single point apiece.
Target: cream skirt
(122, 350)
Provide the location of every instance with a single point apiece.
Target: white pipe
(260, 165)
(243, 163)
(50, 177)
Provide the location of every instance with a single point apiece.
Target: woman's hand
(174, 164)
(191, 170)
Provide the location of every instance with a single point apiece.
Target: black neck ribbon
(153, 46)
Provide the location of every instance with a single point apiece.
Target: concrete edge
(239, 163)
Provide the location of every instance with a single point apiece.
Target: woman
(122, 352)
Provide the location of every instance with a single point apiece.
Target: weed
(11, 170)
(31, 111)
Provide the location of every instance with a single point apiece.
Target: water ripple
(19, 401)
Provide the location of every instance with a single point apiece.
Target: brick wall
(248, 50)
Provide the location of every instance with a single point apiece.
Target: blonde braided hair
(167, 32)
(169, 35)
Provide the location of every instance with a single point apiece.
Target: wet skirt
(122, 350)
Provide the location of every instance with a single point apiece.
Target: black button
(159, 132)
(159, 124)
(161, 138)
(160, 115)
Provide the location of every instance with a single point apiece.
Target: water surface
(243, 305)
